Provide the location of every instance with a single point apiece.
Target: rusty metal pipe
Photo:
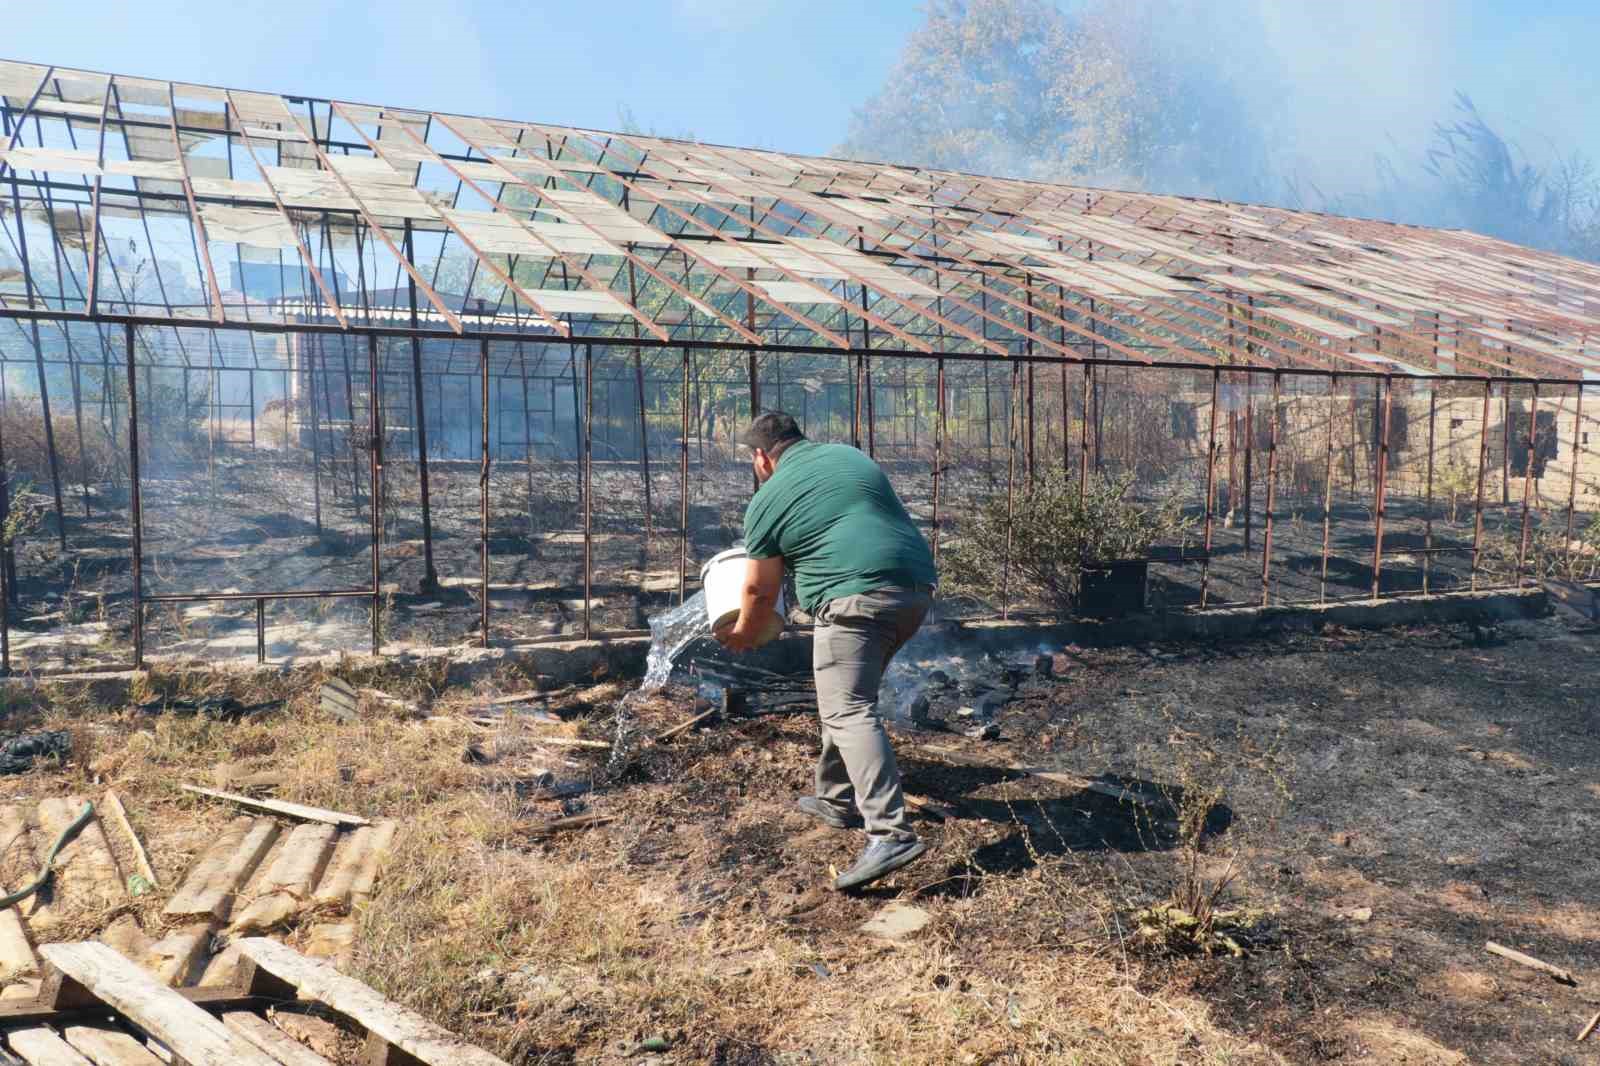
(588, 489)
(1013, 415)
(136, 510)
(1427, 511)
(483, 493)
(683, 486)
(1327, 488)
(1211, 487)
(1379, 488)
(1527, 484)
(1483, 462)
(1577, 456)
(375, 497)
(1272, 492)
(938, 451)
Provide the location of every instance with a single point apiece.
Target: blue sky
(762, 73)
(787, 73)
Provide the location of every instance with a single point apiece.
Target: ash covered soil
(1388, 800)
(1395, 799)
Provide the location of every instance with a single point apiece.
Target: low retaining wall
(1236, 623)
(573, 661)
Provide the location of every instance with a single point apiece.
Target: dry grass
(698, 915)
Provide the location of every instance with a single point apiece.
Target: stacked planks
(99, 1009)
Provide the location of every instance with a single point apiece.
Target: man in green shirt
(865, 574)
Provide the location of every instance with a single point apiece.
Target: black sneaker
(828, 814)
(882, 857)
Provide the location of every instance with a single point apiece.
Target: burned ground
(222, 527)
(1441, 781)
(1389, 801)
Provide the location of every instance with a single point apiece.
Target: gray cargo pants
(855, 638)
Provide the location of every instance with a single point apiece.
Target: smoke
(1318, 106)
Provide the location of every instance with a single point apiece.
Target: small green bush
(1055, 533)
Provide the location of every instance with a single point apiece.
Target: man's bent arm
(763, 581)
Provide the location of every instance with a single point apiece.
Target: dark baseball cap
(770, 429)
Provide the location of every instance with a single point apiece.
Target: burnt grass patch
(1403, 796)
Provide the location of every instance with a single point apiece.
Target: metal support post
(136, 511)
(49, 433)
(77, 417)
(938, 451)
(1327, 488)
(1013, 415)
(1427, 511)
(1083, 432)
(1527, 484)
(483, 489)
(1382, 483)
(375, 493)
(1483, 462)
(1249, 454)
(683, 485)
(1272, 490)
(588, 489)
(644, 424)
(1577, 456)
(527, 440)
(1211, 486)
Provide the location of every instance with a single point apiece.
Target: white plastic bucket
(723, 578)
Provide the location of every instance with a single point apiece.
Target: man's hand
(739, 637)
(763, 581)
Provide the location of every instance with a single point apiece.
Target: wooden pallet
(257, 876)
(95, 1008)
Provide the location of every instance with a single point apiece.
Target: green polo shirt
(833, 516)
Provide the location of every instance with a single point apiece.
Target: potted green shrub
(1081, 552)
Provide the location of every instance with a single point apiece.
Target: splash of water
(670, 633)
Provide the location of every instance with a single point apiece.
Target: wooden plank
(339, 700)
(26, 989)
(119, 818)
(127, 937)
(196, 1036)
(367, 876)
(207, 866)
(283, 807)
(354, 867)
(288, 884)
(211, 886)
(1556, 972)
(21, 865)
(16, 954)
(176, 958)
(274, 1041)
(22, 1004)
(105, 1046)
(39, 1046)
(333, 941)
(405, 1029)
(351, 854)
(86, 867)
(222, 971)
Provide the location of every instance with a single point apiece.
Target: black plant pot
(1109, 590)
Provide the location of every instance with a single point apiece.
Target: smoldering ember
(350, 454)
